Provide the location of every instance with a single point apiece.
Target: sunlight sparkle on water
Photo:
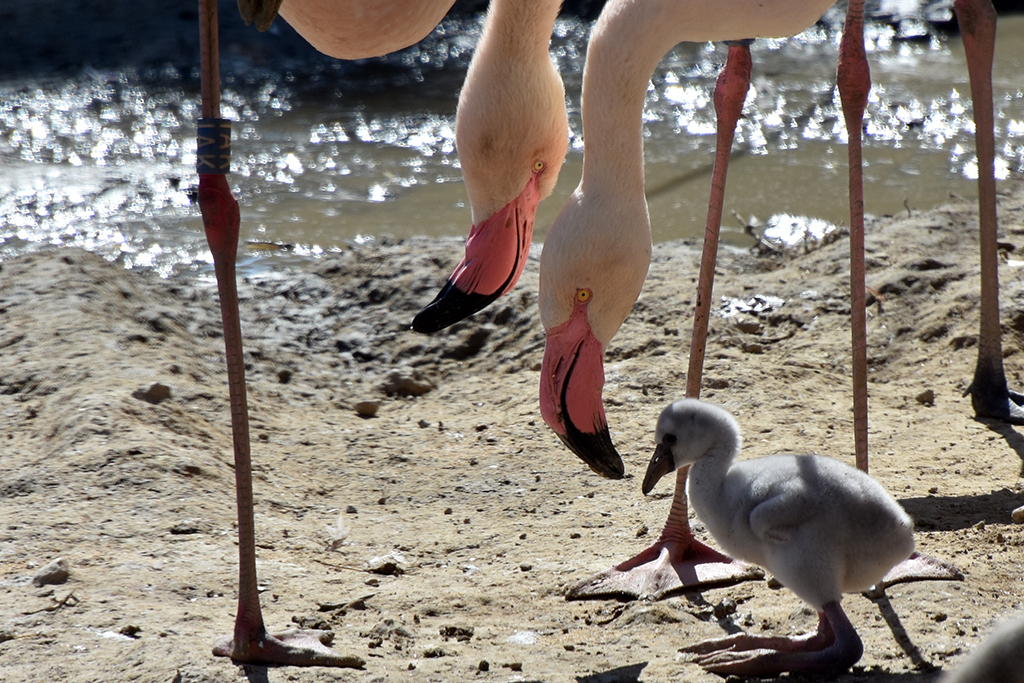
(106, 160)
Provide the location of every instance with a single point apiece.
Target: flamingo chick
(820, 526)
(1000, 659)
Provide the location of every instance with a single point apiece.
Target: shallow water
(323, 157)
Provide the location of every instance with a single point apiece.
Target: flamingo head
(512, 133)
(591, 272)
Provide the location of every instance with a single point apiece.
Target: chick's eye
(538, 166)
(583, 295)
(669, 439)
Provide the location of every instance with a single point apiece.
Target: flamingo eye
(583, 295)
(538, 166)
(669, 439)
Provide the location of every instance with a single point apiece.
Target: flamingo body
(341, 28)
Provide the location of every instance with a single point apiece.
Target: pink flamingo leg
(678, 562)
(834, 647)
(251, 642)
(854, 81)
(990, 396)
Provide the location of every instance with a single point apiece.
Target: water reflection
(105, 161)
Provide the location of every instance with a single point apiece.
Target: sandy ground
(486, 517)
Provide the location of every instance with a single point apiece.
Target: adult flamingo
(606, 220)
(597, 252)
(515, 33)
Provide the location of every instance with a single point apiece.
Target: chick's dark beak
(662, 462)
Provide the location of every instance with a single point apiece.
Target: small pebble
(726, 607)
(406, 382)
(367, 408)
(462, 634)
(1018, 515)
(525, 566)
(423, 424)
(749, 326)
(389, 564)
(926, 397)
(155, 393)
(185, 528)
(131, 630)
(311, 622)
(55, 572)
(350, 510)
(484, 665)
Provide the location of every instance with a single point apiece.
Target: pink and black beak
(496, 252)
(572, 376)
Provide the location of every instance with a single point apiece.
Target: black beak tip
(449, 307)
(597, 451)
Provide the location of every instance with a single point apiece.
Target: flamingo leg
(990, 396)
(678, 562)
(250, 642)
(854, 81)
(835, 646)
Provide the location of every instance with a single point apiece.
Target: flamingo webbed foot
(829, 649)
(917, 567)
(293, 647)
(664, 569)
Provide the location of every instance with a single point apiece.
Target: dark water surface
(327, 153)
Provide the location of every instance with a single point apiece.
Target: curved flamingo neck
(512, 107)
(520, 29)
(624, 49)
(629, 40)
